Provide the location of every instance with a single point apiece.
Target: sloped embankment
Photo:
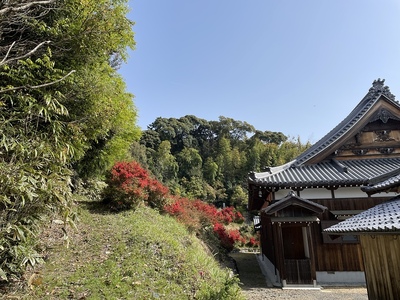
(129, 255)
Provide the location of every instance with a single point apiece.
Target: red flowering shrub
(227, 241)
(229, 214)
(158, 194)
(196, 215)
(129, 184)
(185, 212)
(228, 238)
(209, 213)
(253, 242)
(238, 217)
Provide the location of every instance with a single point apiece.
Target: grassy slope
(130, 255)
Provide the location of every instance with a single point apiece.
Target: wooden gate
(296, 255)
(298, 271)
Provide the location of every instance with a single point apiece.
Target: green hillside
(130, 255)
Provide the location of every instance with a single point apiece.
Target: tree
(290, 149)
(164, 165)
(210, 170)
(138, 153)
(232, 129)
(190, 163)
(62, 104)
(239, 197)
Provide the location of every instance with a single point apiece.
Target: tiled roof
(378, 89)
(383, 185)
(326, 173)
(323, 172)
(384, 218)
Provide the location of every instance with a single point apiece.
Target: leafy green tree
(196, 188)
(164, 164)
(62, 104)
(219, 153)
(151, 139)
(224, 159)
(210, 170)
(239, 197)
(269, 155)
(190, 163)
(138, 153)
(269, 137)
(290, 149)
(232, 129)
(94, 44)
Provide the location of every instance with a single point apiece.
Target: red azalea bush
(128, 184)
(253, 242)
(229, 214)
(230, 237)
(185, 212)
(196, 214)
(226, 240)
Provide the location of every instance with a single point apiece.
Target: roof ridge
(378, 89)
(273, 170)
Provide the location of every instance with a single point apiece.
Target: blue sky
(293, 66)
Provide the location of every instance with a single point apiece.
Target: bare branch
(36, 86)
(8, 53)
(24, 6)
(4, 61)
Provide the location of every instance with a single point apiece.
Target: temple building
(330, 182)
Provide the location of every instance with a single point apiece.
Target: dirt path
(254, 285)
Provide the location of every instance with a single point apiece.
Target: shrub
(229, 214)
(185, 212)
(129, 184)
(227, 241)
(253, 242)
(197, 215)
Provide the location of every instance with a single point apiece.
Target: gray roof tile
(386, 183)
(325, 173)
(298, 173)
(384, 218)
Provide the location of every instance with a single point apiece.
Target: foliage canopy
(210, 160)
(64, 110)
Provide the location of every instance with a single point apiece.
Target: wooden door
(297, 262)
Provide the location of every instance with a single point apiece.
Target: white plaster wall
(320, 193)
(384, 195)
(323, 193)
(354, 192)
(341, 278)
(281, 194)
(349, 192)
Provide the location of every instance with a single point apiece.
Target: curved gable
(292, 205)
(377, 106)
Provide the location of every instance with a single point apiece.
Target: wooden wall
(348, 204)
(329, 256)
(382, 266)
(340, 256)
(336, 257)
